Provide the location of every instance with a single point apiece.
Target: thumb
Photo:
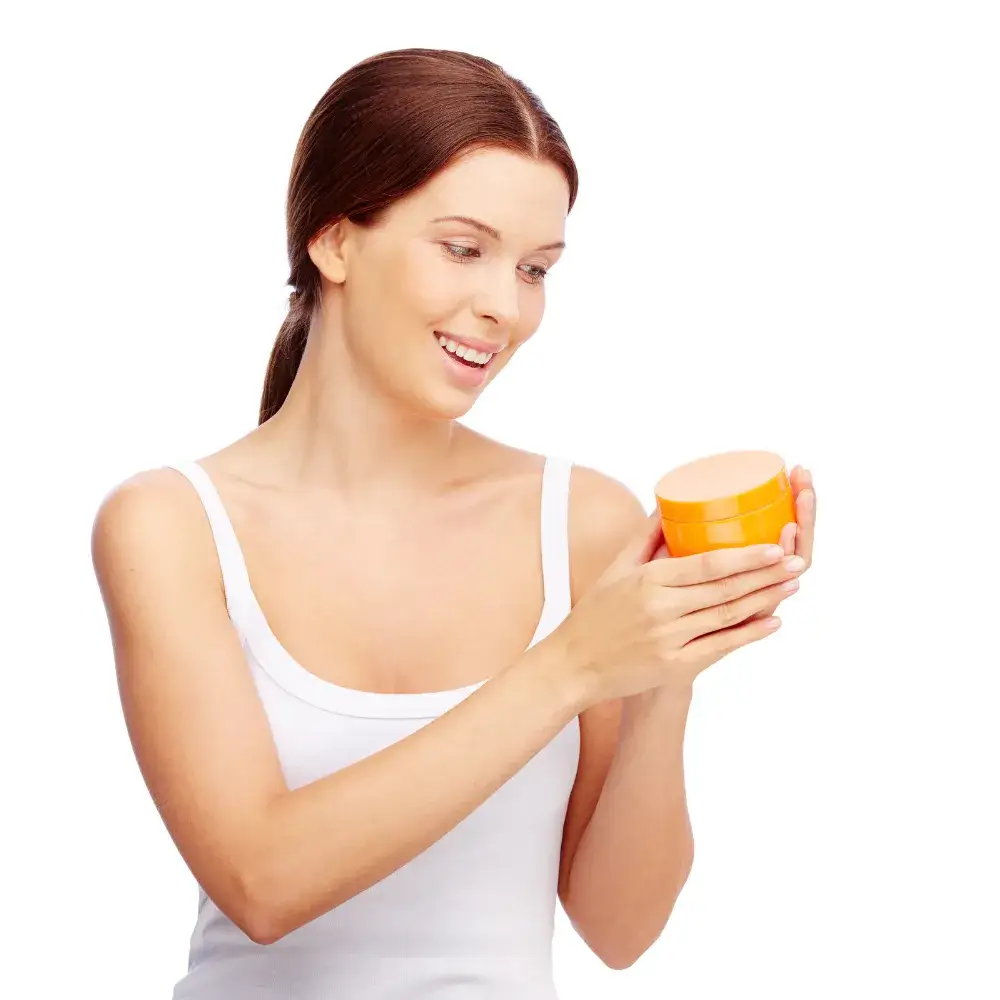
(641, 548)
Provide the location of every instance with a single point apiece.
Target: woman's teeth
(467, 354)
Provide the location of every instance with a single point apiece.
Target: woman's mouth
(462, 354)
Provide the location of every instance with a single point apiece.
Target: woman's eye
(462, 252)
(457, 251)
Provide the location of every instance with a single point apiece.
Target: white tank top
(472, 917)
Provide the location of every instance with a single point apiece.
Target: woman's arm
(270, 858)
(628, 847)
(636, 852)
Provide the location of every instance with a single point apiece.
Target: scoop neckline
(274, 659)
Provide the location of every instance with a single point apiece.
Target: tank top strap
(555, 537)
(235, 578)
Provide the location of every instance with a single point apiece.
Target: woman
(377, 733)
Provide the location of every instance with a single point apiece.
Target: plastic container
(724, 501)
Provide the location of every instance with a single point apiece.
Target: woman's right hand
(659, 622)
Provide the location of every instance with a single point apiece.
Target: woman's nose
(498, 299)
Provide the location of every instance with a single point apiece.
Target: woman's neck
(338, 431)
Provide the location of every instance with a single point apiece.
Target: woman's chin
(443, 395)
(448, 404)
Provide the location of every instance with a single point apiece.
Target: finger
(715, 565)
(734, 612)
(709, 649)
(797, 478)
(787, 539)
(733, 588)
(766, 613)
(771, 608)
(800, 479)
(787, 542)
(805, 514)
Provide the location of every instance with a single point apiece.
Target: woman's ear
(326, 251)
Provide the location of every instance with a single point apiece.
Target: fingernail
(790, 586)
(795, 564)
(773, 552)
(772, 623)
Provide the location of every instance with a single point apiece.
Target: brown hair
(385, 127)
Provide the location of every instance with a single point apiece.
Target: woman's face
(437, 297)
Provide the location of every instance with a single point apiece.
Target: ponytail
(286, 355)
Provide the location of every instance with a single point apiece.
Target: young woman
(396, 687)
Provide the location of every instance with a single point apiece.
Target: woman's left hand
(796, 537)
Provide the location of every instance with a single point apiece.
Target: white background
(786, 238)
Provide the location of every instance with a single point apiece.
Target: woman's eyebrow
(490, 230)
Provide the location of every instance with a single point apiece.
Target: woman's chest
(402, 608)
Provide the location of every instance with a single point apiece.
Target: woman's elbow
(253, 909)
(261, 927)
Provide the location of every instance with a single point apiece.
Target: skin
(356, 507)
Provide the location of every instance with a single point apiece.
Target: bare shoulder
(196, 724)
(148, 491)
(603, 515)
(149, 522)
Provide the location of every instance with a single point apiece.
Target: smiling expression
(439, 295)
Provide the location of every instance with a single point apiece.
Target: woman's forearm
(327, 841)
(637, 850)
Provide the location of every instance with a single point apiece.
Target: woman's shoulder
(149, 495)
(151, 517)
(604, 515)
(602, 507)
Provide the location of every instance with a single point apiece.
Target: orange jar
(736, 498)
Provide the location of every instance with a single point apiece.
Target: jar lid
(721, 486)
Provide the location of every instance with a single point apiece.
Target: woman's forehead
(522, 199)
